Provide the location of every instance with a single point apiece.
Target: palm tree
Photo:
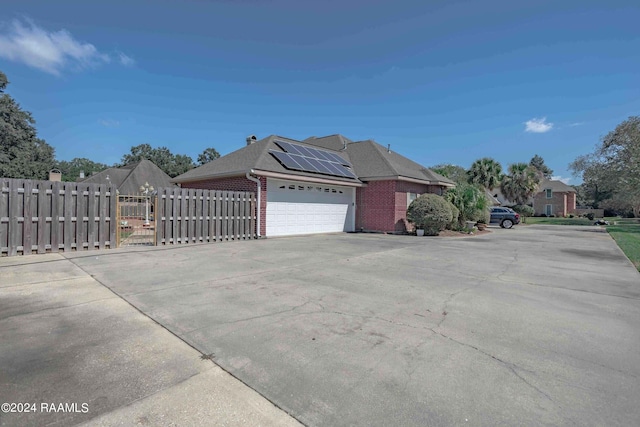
(521, 183)
(485, 172)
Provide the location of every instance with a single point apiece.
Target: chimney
(251, 139)
(55, 175)
(81, 175)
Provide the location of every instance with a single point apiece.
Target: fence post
(55, 217)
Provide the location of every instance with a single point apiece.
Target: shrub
(470, 202)
(590, 216)
(430, 212)
(455, 213)
(524, 210)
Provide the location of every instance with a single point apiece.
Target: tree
(521, 183)
(172, 164)
(485, 172)
(538, 163)
(22, 153)
(71, 169)
(208, 155)
(454, 172)
(612, 171)
(470, 200)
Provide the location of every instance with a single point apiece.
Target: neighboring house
(128, 179)
(320, 185)
(555, 198)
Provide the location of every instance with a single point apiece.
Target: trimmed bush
(453, 225)
(431, 213)
(590, 216)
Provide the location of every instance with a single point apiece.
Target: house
(554, 198)
(128, 179)
(320, 185)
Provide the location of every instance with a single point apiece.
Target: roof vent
(251, 139)
(388, 148)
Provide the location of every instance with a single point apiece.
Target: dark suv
(506, 217)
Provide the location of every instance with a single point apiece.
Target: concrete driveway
(538, 325)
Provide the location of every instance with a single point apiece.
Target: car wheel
(507, 223)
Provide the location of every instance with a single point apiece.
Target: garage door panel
(303, 209)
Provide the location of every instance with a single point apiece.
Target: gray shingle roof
(129, 178)
(370, 160)
(555, 185)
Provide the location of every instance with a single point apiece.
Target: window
(549, 193)
(411, 197)
(548, 210)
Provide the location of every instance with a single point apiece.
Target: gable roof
(370, 161)
(128, 179)
(556, 186)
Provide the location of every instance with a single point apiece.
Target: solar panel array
(307, 159)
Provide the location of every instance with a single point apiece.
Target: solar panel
(311, 152)
(309, 164)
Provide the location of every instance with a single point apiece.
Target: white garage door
(307, 208)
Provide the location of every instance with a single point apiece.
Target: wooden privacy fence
(48, 216)
(187, 215)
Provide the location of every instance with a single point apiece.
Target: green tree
(454, 172)
(172, 164)
(208, 155)
(485, 172)
(470, 200)
(538, 163)
(521, 183)
(71, 169)
(22, 153)
(612, 171)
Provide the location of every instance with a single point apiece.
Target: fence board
(27, 222)
(69, 222)
(198, 219)
(4, 215)
(44, 221)
(103, 212)
(56, 209)
(91, 217)
(15, 209)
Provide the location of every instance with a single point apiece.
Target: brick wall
(400, 211)
(563, 203)
(382, 205)
(237, 183)
(375, 206)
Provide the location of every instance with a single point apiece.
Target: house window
(411, 197)
(548, 210)
(549, 193)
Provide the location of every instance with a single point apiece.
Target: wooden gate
(136, 220)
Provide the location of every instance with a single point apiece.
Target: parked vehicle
(506, 217)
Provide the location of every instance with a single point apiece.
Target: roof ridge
(376, 145)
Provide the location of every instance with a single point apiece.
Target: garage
(295, 207)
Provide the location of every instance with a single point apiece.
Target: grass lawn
(559, 221)
(627, 236)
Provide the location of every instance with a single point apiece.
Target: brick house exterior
(384, 184)
(555, 198)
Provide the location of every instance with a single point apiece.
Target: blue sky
(441, 81)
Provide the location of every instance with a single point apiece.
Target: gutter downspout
(259, 208)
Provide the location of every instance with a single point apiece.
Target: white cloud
(49, 51)
(108, 123)
(561, 178)
(537, 125)
(125, 60)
